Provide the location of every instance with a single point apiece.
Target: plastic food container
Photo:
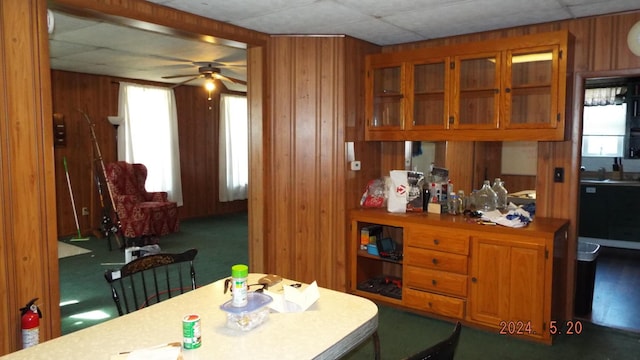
(250, 316)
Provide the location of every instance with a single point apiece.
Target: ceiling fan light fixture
(209, 85)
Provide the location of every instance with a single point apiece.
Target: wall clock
(633, 39)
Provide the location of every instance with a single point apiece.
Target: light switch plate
(355, 165)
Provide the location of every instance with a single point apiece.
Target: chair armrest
(159, 196)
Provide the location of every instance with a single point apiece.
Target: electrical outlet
(355, 165)
(85, 211)
(558, 175)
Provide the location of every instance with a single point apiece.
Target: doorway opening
(617, 264)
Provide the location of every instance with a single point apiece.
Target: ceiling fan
(207, 71)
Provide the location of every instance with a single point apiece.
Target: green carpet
(222, 241)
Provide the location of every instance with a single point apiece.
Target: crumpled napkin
(516, 217)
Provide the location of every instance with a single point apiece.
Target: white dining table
(330, 328)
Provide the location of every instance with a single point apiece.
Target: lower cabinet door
(507, 282)
(434, 303)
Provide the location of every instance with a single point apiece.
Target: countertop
(610, 182)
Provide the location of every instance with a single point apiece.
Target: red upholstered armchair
(142, 214)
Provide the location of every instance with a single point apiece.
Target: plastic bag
(375, 195)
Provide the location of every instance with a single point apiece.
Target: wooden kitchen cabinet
(507, 286)
(510, 89)
(486, 276)
(386, 81)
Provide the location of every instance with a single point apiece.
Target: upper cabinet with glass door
(428, 99)
(508, 89)
(386, 98)
(531, 88)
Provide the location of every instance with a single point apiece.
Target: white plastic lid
(255, 301)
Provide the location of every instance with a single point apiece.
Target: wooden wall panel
(97, 95)
(28, 246)
(307, 221)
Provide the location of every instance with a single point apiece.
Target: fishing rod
(109, 227)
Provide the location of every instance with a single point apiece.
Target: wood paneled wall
(599, 45)
(97, 95)
(28, 247)
(306, 143)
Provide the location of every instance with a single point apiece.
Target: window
(234, 148)
(603, 130)
(149, 135)
(604, 122)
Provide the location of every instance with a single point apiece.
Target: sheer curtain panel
(234, 148)
(149, 135)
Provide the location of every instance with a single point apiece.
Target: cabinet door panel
(593, 216)
(531, 88)
(385, 98)
(477, 91)
(489, 287)
(430, 96)
(507, 282)
(526, 292)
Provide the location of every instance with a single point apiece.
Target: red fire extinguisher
(30, 319)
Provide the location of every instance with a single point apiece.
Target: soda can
(191, 334)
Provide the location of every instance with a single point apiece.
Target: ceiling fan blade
(179, 76)
(229, 78)
(184, 82)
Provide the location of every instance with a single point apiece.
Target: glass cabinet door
(530, 88)
(430, 96)
(476, 92)
(387, 98)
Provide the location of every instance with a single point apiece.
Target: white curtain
(149, 135)
(603, 96)
(234, 148)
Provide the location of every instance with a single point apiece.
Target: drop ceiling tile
(63, 48)
(384, 32)
(321, 17)
(64, 22)
(233, 11)
(589, 8)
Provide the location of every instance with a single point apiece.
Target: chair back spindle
(151, 279)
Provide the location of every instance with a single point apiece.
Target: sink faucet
(602, 173)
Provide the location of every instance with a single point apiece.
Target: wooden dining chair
(444, 350)
(151, 279)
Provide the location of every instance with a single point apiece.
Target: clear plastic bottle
(501, 193)
(239, 275)
(463, 201)
(453, 205)
(486, 198)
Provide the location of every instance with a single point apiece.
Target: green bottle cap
(239, 271)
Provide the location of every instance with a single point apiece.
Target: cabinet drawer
(436, 260)
(441, 239)
(437, 304)
(434, 280)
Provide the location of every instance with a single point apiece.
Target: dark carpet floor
(222, 242)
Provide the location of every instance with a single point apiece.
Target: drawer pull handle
(436, 241)
(429, 303)
(434, 282)
(434, 261)
(473, 279)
